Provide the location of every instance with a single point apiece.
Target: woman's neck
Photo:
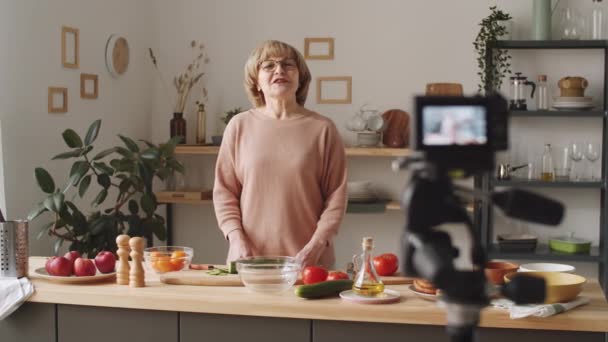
(280, 109)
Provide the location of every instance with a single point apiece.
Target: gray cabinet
(232, 328)
(32, 322)
(332, 331)
(98, 324)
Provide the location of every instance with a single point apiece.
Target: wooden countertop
(239, 301)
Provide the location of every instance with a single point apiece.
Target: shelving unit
(484, 217)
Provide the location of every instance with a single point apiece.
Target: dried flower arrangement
(184, 82)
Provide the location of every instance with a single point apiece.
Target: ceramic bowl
(496, 270)
(561, 287)
(546, 267)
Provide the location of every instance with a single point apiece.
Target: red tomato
(314, 274)
(335, 275)
(386, 264)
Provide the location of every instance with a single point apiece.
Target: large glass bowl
(269, 274)
(164, 259)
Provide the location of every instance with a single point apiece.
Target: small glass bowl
(164, 259)
(269, 274)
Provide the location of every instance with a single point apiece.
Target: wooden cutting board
(201, 278)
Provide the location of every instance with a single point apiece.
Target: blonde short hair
(268, 49)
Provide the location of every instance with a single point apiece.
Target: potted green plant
(127, 179)
(492, 28)
(226, 117)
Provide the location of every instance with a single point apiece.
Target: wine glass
(576, 154)
(592, 153)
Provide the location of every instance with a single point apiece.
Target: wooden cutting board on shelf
(202, 278)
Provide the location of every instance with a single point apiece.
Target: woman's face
(278, 77)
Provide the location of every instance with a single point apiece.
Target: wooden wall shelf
(350, 151)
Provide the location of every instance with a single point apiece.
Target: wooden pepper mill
(137, 275)
(122, 270)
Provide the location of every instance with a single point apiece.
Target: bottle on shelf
(178, 127)
(548, 173)
(598, 17)
(367, 282)
(542, 100)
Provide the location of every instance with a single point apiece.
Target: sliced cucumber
(324, 289)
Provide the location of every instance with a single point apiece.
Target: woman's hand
(311, 253)
(240, 246)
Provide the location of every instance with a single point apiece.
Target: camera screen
(454, 125)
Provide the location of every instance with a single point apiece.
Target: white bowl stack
(361, 192)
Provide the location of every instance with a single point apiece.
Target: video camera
(461, 132)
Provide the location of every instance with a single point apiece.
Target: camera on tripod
(461, 132)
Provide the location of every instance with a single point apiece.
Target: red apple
(72, 256)
(105, 262)
(47, 265)
(84, 267)
(59, 266)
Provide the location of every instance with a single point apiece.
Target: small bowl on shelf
(268, 274)
(164, 259)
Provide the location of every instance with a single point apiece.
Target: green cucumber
(324, 289)
(232, 267)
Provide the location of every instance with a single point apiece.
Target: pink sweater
(282, 181)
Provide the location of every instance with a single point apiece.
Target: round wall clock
(117, 55)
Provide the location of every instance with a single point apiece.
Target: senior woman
(280, 178)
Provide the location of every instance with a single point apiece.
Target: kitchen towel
(13, 292)
(541, 310)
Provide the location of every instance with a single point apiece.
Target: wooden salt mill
(137, 275)
(122, 270)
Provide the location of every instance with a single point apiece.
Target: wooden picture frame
(347, 99)
(64, 105)
(84, 78)
(68, 59)
(308, 54)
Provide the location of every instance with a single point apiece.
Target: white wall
(31, 57)
(391, 48)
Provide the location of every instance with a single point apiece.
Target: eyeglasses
(271, 65)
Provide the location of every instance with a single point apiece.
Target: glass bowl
(167, 258)
(268, 274)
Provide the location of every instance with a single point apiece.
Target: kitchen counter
(239, 301)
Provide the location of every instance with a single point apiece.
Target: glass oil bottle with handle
(548, 173)
(367, 282)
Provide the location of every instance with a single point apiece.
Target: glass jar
(570, 24)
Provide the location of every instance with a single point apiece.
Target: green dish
(569, 245)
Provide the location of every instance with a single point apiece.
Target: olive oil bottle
(548, 173)
(367, 282)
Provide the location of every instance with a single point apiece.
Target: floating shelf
(544, 253)
(558, 113)
(542, 184)
(550, 44)
(350, 151)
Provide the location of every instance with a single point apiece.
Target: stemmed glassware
(576, 154)
(592, 153)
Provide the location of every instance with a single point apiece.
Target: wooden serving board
(201, 278)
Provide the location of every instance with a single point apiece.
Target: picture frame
(52, 106)
(85, 79)
(70, 47)
(312, 45)
(326, 98)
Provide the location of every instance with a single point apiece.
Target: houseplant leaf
(92, 132)
(38, 209)
(131, 145)
(66, 155)
(45, 181)
(84, 185)
(71, 138)
(104, 153)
